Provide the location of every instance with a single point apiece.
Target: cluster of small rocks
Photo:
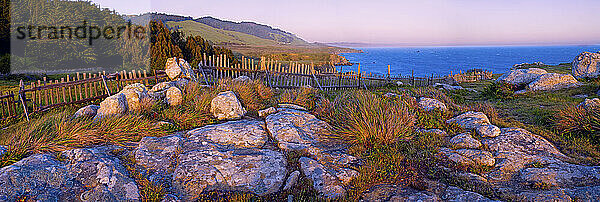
(536, 79)
(136, 97)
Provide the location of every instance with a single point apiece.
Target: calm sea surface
(441, 60)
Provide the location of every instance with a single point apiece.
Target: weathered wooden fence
(471, 76)
(80, 88)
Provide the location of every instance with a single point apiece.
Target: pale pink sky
(424, 22)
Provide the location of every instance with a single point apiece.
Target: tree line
(44, 53)
(167, 43)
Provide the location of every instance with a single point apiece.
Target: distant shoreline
(367, 45)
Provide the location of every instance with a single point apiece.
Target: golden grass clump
(305, 97)
(57, 131)
(579, 120)
(366, 119)
(253, 94)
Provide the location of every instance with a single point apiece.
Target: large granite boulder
(464, 141)
(179, 68)
(87, 112)
(174, 96)
(586, 65)
(522, 76)
(488, 131)
(93, 174)
(115, 105)
(208, 168)
(226, 106)
(552, 81)
(224, 157)
(429, 104)
(137, 97)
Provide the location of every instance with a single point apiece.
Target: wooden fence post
(412, 75)
(23, 99)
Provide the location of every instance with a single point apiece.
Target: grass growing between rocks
(58, 131)
(381, 133)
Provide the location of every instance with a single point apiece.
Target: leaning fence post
(155, 76)
(105, 86)
(23, 99)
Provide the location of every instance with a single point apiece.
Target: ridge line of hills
(249, 38)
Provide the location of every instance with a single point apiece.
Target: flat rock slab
(207, 168)
(522, 76)
(326, 183)
(387, 192)
(222, 157)
(295, 129)
(243, 133)
(82, 174)
(470, 120)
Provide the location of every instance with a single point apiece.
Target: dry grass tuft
(55, 132)
(365, 119)
(305, 97)
(254, 94)
(579, 120)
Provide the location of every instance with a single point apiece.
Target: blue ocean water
(425, 61)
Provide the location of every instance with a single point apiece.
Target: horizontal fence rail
(45, 94)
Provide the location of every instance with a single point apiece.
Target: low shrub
(500, 90)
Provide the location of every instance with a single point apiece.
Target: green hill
(254, 29)
(219, 36)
